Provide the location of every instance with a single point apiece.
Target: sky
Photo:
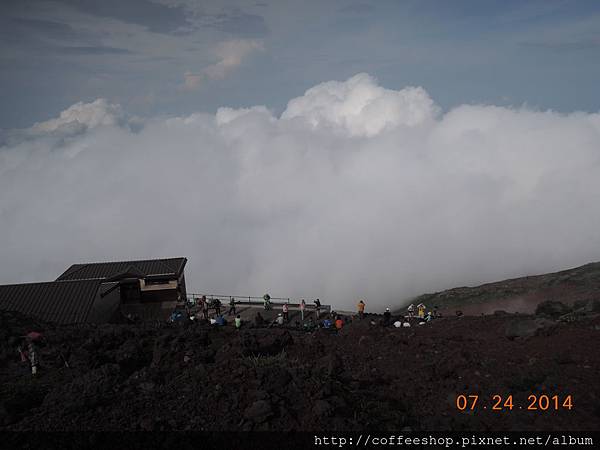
(157, 57)
(339, 149)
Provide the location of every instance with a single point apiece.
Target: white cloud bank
(354, 191)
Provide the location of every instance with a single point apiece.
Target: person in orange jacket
(361, 310)
(339, 323)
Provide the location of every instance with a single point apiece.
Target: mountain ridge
(519, 295)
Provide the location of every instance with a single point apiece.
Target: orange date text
(533, 402)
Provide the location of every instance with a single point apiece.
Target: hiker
(238, 322)
(258, 320)
(285, 309)
(33, 357)
(205, 309)
(204, 304)
(217, 306)
(361, 310)
(387, 317)
(309, 325)
(421, 310)
(177, 316)
(279, 319)
(411, 309)
(302, 308)
(22, 354)
(339, 323)
(232, 307)
(428, 317)
(317, 303)
(267, 301)
(200, 305)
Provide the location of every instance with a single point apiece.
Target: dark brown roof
(53, 301)
(106, 270)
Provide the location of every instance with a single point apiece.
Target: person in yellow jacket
(421, 310)
(361, 310)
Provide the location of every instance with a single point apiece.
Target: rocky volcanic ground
(367, 377)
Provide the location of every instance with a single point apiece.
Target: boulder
(265, 342)
(587, 305)
(526, 381)
(4, 416)
(274, 378)
(130, 357)
(322, 408)
(592, 306)
(330, 364)
(259, 411)
(206, 355)
(546, 326)
(365, 340)
(524, 328)
(579, 304)
(147, 386)
(552, 309)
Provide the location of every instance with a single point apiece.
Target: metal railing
(252, 300)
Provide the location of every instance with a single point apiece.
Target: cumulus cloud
(75, 120)
(83, 116)
(361, 107)
(353, 191)
(230, 55)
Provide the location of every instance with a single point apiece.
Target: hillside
(521, 295)
(191, 376)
